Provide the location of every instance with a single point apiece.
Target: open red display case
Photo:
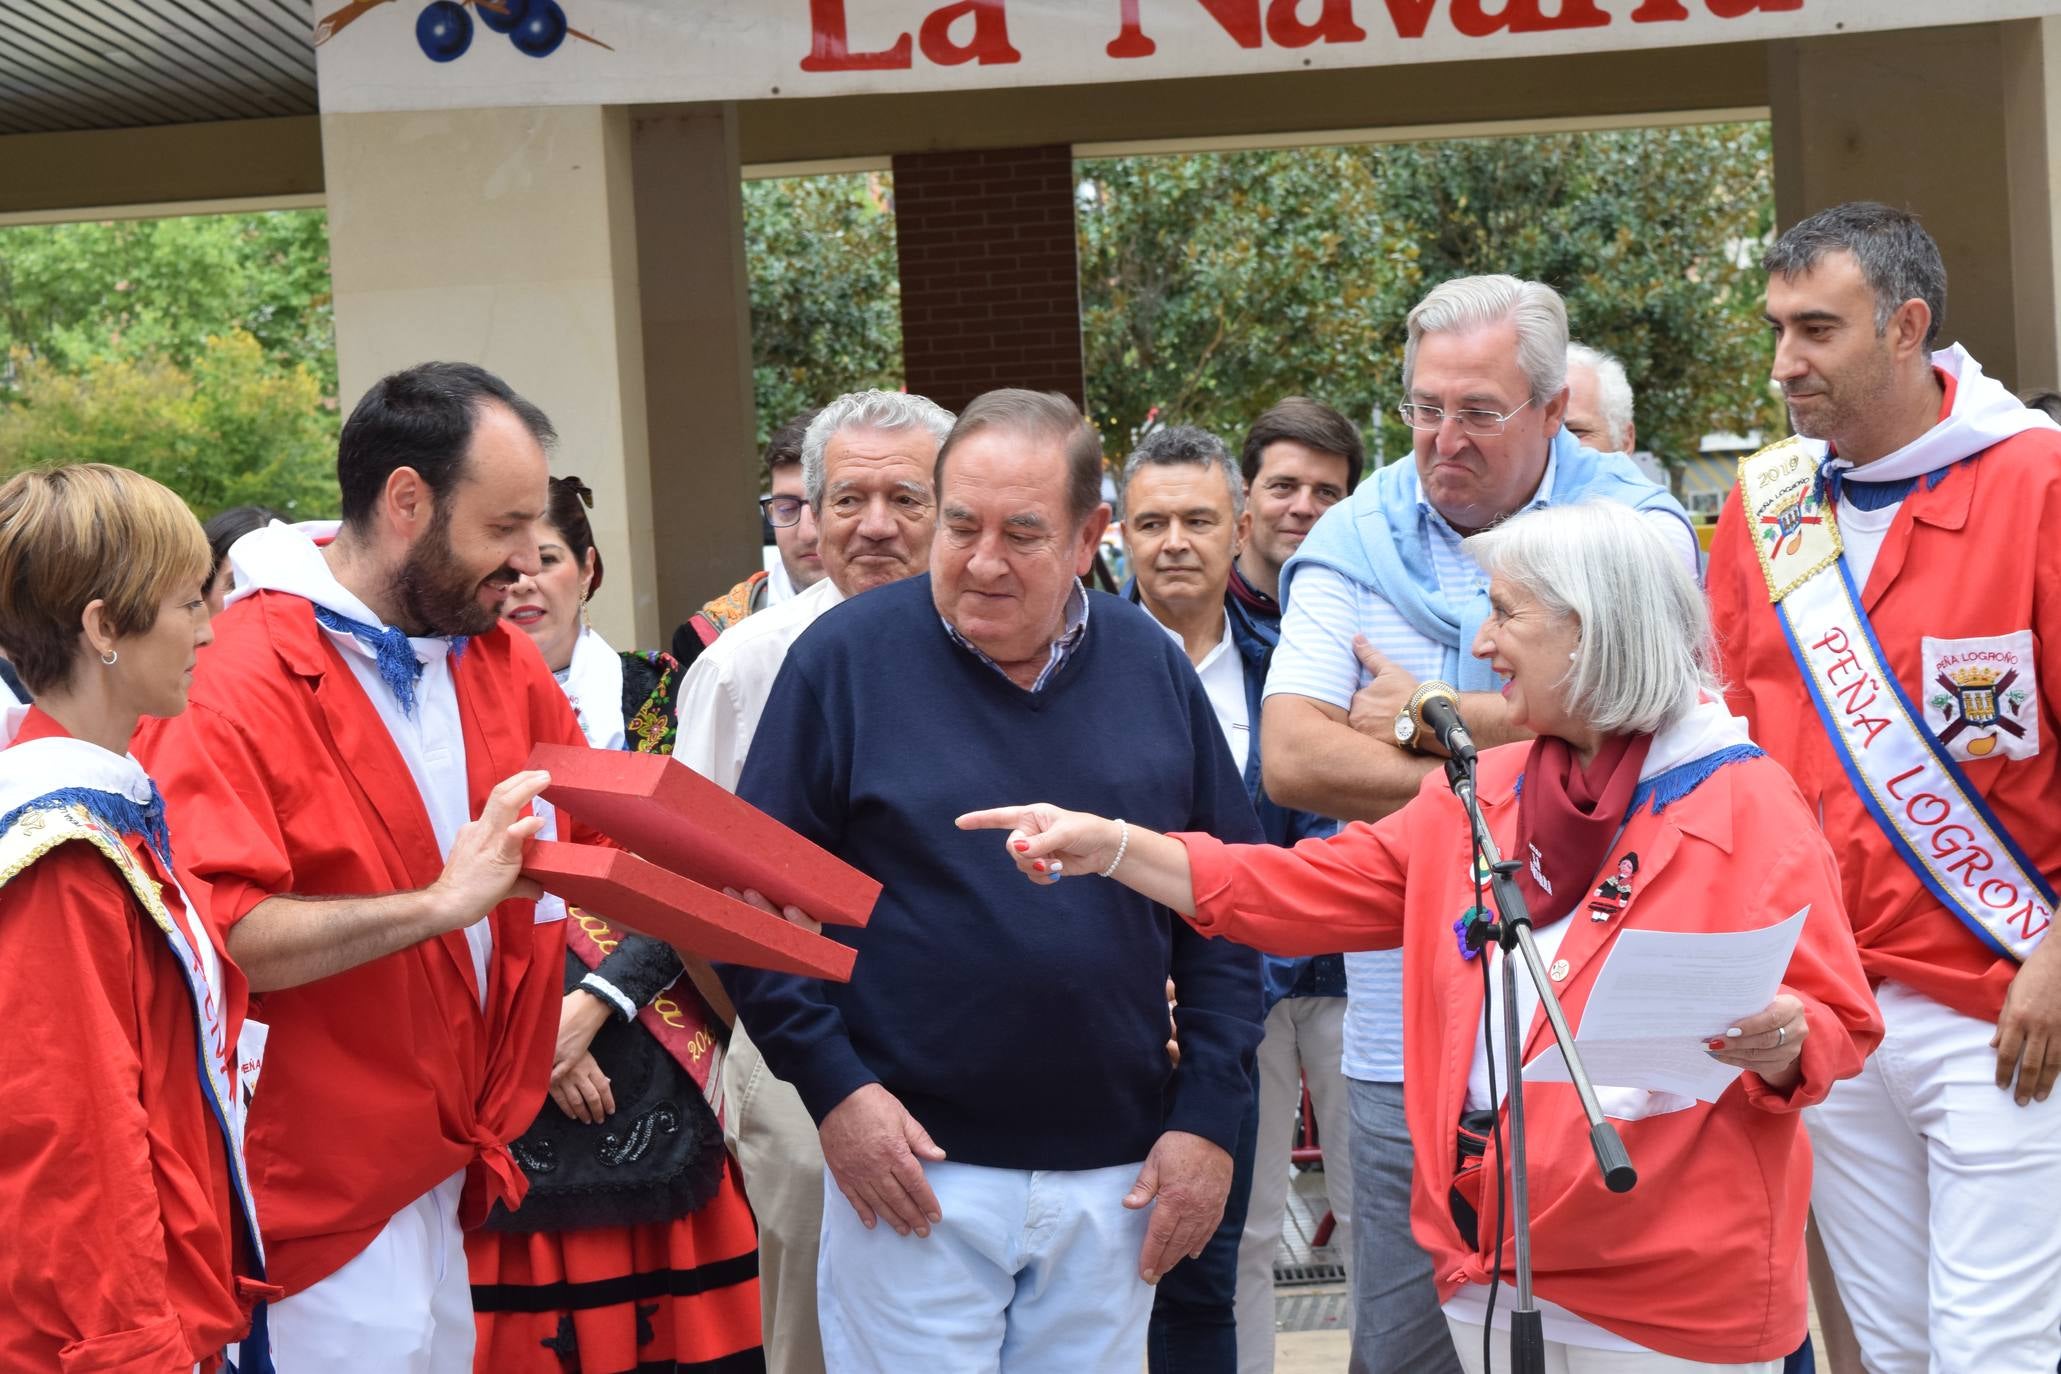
(688, 839)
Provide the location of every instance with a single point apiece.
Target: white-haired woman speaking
(1639, 804)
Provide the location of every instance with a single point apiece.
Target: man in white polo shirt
(1379, 598)
(868, 463)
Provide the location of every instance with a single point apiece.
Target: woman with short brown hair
(130, 1242)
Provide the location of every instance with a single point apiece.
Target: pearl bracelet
(1123, 842)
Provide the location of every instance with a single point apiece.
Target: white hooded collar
(1984, 414)
(36, 767)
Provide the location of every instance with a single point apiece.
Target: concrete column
(1951, 123)
(990, 276)
(506, 238)
(2032, 156)
(696, 312)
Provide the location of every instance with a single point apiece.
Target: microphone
(1435, 707)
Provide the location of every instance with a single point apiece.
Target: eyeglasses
(781, 511)
(1482, 424)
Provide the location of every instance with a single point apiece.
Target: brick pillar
(990, 284)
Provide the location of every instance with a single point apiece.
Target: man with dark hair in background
(799, 566)
(1299, 459)
(362, 703)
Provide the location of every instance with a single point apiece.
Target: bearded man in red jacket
(361, 706)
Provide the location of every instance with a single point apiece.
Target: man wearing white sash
(1887, 612)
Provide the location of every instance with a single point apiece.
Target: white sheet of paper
(1660, 995)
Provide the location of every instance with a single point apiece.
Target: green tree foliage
(1212, 285)
(199, 350)
(164, 287)
(1652, 235)
(229, 429)
(825, 291)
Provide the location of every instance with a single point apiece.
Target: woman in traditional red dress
(126, 1239)
(635, 1248)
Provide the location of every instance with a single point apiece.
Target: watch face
(1405, 727)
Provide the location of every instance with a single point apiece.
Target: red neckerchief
(1568, 817)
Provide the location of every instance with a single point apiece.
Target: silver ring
(1781, 1036)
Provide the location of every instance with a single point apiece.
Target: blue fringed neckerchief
(1663, 790)
(113, 809)
(399, 668)
(1876, 495)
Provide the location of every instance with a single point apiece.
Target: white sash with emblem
(1911, 785)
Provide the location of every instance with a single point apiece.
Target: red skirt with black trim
(670, 1297)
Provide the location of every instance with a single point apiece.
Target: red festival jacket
(120, 1239)
(1703, 1260)
(1970, 561)
(383, 1081)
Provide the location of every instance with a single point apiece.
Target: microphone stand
(1513, 934)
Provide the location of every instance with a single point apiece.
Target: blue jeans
(1194, 1326)
(1398, 1325)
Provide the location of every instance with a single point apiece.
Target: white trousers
(1939, 1201)
(1305, 1035)
(403, 1305)
(1580, 1359)
(1028, 1273)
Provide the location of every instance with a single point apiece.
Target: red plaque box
(681, 912)
(689, 839)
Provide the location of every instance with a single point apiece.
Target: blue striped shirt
(1070, 634)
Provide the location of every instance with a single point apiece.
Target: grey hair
(1898, 259)
(1476, 302)
(879, 410)
(1613, 389)
(1645, 642)
(1176, 444)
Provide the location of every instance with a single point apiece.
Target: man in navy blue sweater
(993, 1082)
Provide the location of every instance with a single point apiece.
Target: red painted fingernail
(1038, 864)
(1713, 1044)
(1022, 846)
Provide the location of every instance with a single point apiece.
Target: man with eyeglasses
(799, 566)
(867, 465)
(1379, 598)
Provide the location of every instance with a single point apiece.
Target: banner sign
(448, 54)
